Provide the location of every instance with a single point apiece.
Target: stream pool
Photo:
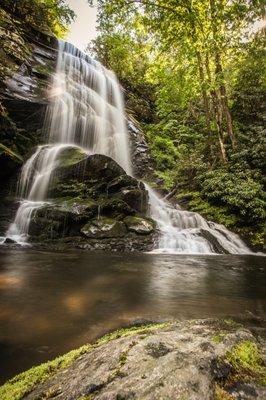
(52, 302)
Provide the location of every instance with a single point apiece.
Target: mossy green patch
(219, 337)
(71, 156)
(246, 360)
(22, 384)
(244, 364)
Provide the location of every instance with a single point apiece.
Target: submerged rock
(193, 360)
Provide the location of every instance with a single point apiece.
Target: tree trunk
(216, 111)
(220, 76)
(224, 100)
(204, 93)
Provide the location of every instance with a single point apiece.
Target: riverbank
(195, 360)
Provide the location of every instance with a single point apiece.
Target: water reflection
(53, 302)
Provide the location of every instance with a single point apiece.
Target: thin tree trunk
(224, 100)
(204, 93)
(220, 78)
(216, 111)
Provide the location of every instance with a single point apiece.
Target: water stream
(87, 110)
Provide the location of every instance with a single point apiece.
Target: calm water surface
(53, 302)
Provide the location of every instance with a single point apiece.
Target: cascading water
(87, 111)
(188, 232)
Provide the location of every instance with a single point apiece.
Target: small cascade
(87, 111)
(188, 232)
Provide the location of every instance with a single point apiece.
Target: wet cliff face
(27, 60)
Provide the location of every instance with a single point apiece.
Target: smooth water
(53, 302)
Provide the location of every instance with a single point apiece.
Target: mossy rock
(135, 198)
(75, 165)
(69, 188)
(78, 206)
(115, 207)
(70, 156)
(139, 225)
(23, 384)
(50, 222)
(102, 167)
(241, 367)
(122, 181)
(104, 228)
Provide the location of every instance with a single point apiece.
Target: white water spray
(87, 110)
(188, 232)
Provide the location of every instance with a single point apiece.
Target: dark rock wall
(27, 60)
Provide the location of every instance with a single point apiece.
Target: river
(52, 302)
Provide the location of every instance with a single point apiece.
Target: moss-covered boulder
(104, 227)
(171, 360)
(139, 225)
(93, 203)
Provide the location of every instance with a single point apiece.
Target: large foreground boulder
(93, 204)
(190, 360)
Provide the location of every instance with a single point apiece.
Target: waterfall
(87, 110)
(188, 232)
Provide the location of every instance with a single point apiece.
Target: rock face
(27, 61)
(192, 360)
(94, 204)
(140, 152)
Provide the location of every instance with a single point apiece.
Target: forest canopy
(51, 15)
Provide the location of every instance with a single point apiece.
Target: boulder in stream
(93, 204)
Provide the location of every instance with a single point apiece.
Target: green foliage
(238, 190)
(249, 89)
(51, 15)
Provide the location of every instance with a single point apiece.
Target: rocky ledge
(93, 204)
(191, 360)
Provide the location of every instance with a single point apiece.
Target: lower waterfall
(87, 110)
(189, 233)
